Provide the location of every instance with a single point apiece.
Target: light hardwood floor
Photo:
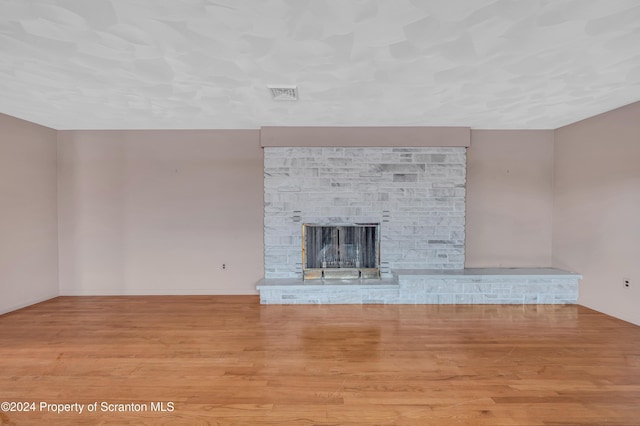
(229, 360)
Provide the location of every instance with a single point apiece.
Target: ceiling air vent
(284, 93)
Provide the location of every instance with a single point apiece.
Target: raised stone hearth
(465, 286)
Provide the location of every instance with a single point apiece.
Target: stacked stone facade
(424, 287)
(416, 194)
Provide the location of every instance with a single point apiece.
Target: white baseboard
(152, 292)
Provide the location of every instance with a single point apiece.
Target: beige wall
(597, 209)
(159, 212)
(28, 223)
(509, 198)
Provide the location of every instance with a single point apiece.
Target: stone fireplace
(322, 203)
(415, 194)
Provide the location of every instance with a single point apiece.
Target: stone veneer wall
(416, 194)
(431, 289)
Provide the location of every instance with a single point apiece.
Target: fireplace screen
(341, 251)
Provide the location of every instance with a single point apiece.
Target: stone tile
(405, 177)
(476, 288)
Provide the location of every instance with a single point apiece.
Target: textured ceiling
(141, 64)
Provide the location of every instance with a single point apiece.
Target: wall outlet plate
(626, 282)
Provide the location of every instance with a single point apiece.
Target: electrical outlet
(224, 266)
(626, 282)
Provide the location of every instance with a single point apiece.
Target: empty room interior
(419, 212)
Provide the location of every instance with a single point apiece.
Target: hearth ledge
(432, 286)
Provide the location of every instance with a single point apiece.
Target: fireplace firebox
(342, 251)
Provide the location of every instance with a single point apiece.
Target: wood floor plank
(229, 360)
